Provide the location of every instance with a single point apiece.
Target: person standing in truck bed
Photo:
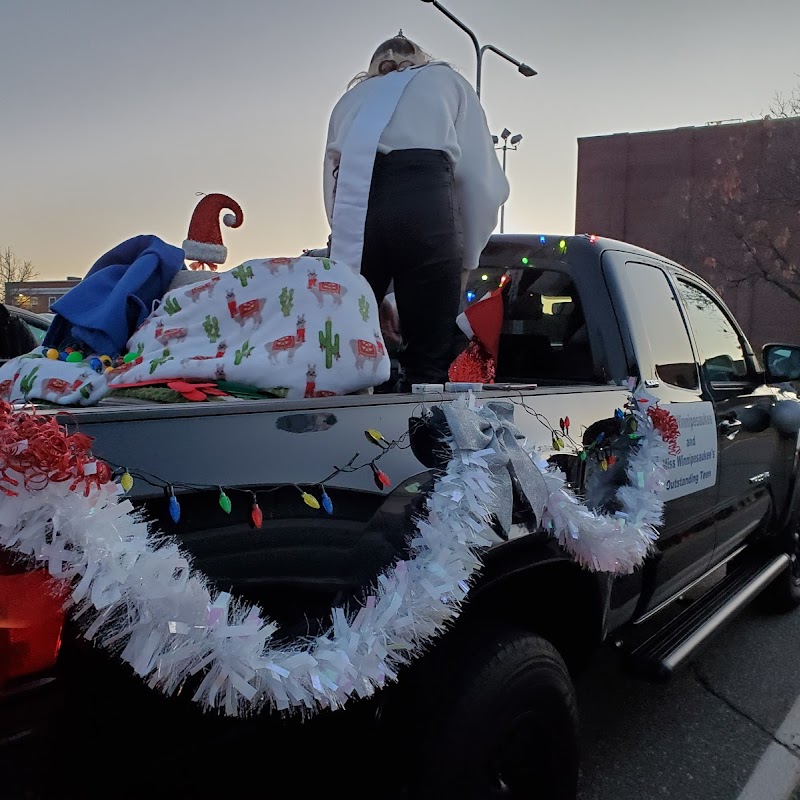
(412, 191)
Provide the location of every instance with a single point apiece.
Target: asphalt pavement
(716, 731)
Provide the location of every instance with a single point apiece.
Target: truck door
(747, 443)
(660, 350)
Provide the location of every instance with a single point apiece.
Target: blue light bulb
(543, 240)
(174, 508)
(470, 296)
(327, 503)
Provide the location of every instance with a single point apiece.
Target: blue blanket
(105, 308)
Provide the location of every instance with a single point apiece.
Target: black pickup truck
(490, 710)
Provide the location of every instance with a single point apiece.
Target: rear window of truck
(544, 336)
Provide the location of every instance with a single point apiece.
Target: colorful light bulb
(374, 436)
(174, 509)
(256, 515)
(310, 500)
(224, 502)
(381, 479)
(126, 481)
(327, 503)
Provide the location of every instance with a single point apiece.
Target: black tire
(505, 725)
(783, 594)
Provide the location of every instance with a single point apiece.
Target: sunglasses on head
(385, 67)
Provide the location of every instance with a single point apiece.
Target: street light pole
(524, 69)
(509, 143)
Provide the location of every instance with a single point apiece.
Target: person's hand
(390, 326)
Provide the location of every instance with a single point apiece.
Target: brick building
(723, 200)
(38, 296)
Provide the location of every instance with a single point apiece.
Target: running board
(657, 656)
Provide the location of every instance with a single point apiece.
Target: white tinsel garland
(616, 542)
(140, 598)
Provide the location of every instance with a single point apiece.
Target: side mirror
(781, 363)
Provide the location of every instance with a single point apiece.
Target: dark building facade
(38, 296)
(722, 200)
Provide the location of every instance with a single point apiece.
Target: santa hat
(484, 321)
(204, 242)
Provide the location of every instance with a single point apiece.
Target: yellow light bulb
(310, 500)
(126, 481)
(374, 436)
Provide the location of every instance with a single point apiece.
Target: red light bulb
(256, 515)
(381, 479)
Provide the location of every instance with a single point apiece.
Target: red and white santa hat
(204, 242)
(484, 321)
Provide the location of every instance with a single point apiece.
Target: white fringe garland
(615, 543)
(140, 598)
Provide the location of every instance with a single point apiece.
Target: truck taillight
(31, 618)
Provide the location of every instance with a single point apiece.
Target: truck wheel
(783, 594)
(506, 725)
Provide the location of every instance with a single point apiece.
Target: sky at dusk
(115, 113)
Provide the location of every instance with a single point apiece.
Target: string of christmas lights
(126, 477)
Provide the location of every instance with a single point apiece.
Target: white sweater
(439, 110)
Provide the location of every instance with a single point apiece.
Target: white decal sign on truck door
(694, 468)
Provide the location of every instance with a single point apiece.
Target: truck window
(670, 345)
(544, 336)
(721, 351)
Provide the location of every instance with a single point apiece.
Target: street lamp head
(524, 69)
(505, 134)
(495, 139)
(516, 139)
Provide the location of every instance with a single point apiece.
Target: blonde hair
(393, 54)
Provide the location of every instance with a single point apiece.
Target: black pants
(413, 238)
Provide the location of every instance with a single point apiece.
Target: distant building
(721, 199)
(38, 296)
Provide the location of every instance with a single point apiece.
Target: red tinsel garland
(39, 450)
(666, 424)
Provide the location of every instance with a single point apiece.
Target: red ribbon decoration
(41, 451)
(666, 424)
